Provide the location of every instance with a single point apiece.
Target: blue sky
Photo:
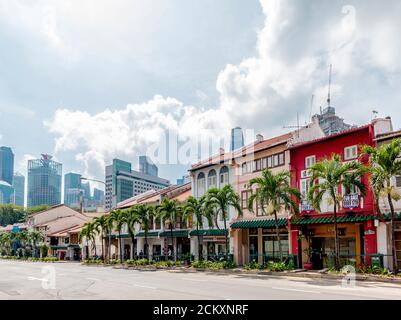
(91, 80)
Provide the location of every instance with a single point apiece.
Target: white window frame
(353, 152)
(308, 160)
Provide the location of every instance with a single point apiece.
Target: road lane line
(296, 290)
(197, 280)
(146, 287)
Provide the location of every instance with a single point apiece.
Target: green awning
(209, 233)
(266, 223)
(153, 234)
(59, 247)
(387, 216)
(176, 233)
(330, 219)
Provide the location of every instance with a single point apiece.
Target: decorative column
(370, 240)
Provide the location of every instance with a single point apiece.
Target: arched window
(201, 184)
(212, 179)
(223, 176)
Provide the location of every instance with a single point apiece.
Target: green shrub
(253, 266)
(277, 266)
(204, 264)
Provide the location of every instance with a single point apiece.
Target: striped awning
(330, 219)
(265, 223)
(209, 233)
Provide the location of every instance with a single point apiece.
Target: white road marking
(146, 287)
(92, 279)
(297, 290)
(38, 279)
(197, 280)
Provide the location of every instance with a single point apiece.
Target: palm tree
(144, 214)
(5, 242)
(34, 238)
(273, 192)
(326, 177)
(131, 220)
(196, 207)
(85, 233)
(118, 218)
(385, 164)
(168, 212)
(102, 224)
(109, 228)
(92, 231)
(220, 201)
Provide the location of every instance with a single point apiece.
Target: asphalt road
(24, 280)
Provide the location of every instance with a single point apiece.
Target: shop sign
(369, 232)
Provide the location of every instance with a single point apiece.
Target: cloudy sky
(91, 80)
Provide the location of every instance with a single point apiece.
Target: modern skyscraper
(123, 183)
(183, 180)
(44, 181)
(6, 165)
(72, 190)
(147, 166)
(6, 192)
(98, 195)
(330, 122)
(19, 189)
(237, 138)
(86, 187)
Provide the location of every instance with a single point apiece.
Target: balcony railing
(351, 201)
(306, 206)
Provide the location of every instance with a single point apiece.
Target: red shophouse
(356, 216)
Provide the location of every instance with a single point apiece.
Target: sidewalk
(299, 273)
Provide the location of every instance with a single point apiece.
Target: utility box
(376, 260)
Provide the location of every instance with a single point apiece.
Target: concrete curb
(300, 273)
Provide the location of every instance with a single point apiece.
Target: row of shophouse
(252, 236)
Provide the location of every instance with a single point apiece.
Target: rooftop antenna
(298, 126)
(328, 95)
(311, 106)
(375, 113)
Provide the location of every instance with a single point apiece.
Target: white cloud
(297, 43)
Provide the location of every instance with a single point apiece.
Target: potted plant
(308, 265)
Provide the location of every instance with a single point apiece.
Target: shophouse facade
(357, 215)
(384, 235)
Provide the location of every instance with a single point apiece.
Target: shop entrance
(323, 249)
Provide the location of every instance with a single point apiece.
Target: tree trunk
(200, 253)
(226, 236)
(146, 245)
(278, 237)
(121, 248)
(109, 253)
(94, 245)
(87, 248)
(393, 246)
(336, 240)
(172, 241)
(132, 250)
(103, 245)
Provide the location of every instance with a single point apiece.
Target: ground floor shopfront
(209, 244)
(384, 240)
(257, 241)
(313, 240)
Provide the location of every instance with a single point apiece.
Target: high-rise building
(98, 195)
(6, 165)
(72, 190)
(183, 180)
(147, 166)
(330, 122)
(237, 138)
(44, 181)
(6, 192)
(19, 189)
(86, 187)
(123, 183)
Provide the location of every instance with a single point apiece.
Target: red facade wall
(324, 148)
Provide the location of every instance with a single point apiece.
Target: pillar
(370, 240)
